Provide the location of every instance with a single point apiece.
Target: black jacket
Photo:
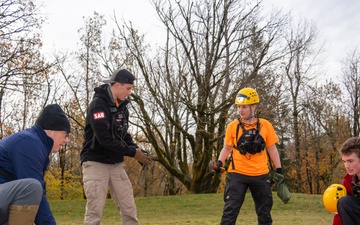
(106, 138)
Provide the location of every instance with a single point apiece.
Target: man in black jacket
(106, 143)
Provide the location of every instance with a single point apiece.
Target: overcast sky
(338, 24)
(337, 21)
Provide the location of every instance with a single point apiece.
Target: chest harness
(250, 141)
(119, 122)
(356, 187)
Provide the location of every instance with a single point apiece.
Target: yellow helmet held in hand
(332, 195)
(247, 96)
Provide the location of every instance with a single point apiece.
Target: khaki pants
(98, 177)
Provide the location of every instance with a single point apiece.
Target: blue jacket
(26, 155)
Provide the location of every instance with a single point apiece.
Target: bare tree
(23, 69)
(323, 128)
(212, 50)
(299, 70)
(351, 80)
(79, 73)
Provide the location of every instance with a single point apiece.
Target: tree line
(184, 93)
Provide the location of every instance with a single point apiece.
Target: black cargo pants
(234, 194)
(349, 210)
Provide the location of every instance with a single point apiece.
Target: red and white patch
(99, 115)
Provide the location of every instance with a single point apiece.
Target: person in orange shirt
(247, 139)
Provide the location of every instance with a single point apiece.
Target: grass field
(200, 209)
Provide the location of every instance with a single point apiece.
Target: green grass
(198, 209)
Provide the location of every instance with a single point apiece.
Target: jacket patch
(99, 115)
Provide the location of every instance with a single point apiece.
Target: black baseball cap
(122, 76)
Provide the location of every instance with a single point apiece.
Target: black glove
(279, 176)
(218, 166)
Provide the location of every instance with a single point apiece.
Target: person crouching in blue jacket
(24, 157)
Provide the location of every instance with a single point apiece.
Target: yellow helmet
(247, 96)
(332, 195)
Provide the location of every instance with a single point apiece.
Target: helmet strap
(252, 115)
(252, 112)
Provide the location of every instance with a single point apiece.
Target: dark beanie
(122, 76)
(53, 118)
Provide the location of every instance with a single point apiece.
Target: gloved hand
(143, 159)
(278, 176)
(218, 167)
(282, 189)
